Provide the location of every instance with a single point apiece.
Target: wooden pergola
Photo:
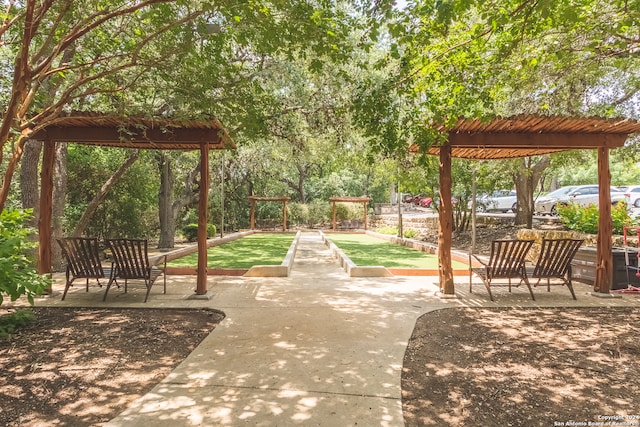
(522, 136)
(336, 199)
(128, 132)
(254, 199)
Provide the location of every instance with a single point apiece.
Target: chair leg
(570, 286)
(111, 280)
(470, 281)
(148, 284)
(67, 285)
(488, 286)
(526, 282)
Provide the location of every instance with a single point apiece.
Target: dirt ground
(82, 367)
(463, 367)
(523, 367)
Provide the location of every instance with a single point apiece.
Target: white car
(500, 200)
(582, 195)
(632, 194)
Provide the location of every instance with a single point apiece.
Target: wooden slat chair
(82, 255)
(507, 261)
(131, 262)
(554, 262)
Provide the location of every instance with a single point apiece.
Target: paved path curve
(316, 348)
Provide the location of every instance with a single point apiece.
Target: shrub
(319, 212)
(18, 275)
(410, 233)
(10, 322)
(298, 214)
(585, 219)
(388, 230)
(190, 231)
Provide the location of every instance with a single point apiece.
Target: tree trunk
(167, 218)
(29, 187)
(59, 197)
(526, 179)
(102, 193)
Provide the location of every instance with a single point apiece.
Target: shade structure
(254, 199)
(140, 132)
(349, 199)
(522, 136)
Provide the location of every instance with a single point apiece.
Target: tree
(64, 55)
(471, 59)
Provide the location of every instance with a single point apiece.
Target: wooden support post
(334, 216)
(201, 285)
(445, 223)
(365, 215)
(284, 215)
(604, 251)
(46, 206)
(253, 213)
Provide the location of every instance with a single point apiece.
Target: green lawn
(255, 249)
(366, 250)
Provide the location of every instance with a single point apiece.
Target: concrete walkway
(316, 348)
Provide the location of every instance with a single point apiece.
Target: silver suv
(582, 195)
(500, 200)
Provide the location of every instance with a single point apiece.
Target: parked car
(426, 202)
(632, 194)
(407, 198)
(500, 200)
(582, 195)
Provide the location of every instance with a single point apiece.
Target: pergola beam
(116, 137)
(555, 141)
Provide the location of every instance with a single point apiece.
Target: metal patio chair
(131, 262)
(507, 261)
(82, 255)
(554, 263)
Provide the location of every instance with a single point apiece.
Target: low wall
(281, 270)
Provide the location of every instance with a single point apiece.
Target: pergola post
(46, 206)
(365, 215)
(604, 249)
(252, 202)
(284, 215)
(445, 223)
(201, 285)
(333, 216)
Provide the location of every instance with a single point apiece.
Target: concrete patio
(315, 348)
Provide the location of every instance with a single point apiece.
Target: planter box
(584, 267)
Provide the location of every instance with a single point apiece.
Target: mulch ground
(523, 367)
(82, 367)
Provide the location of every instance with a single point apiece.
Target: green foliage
(298, 213)
(129, 209)
(585, 218)
(18, 275)
(388, 230)
(190, 231)
(319, 212)
(12, 321)
(410, 233)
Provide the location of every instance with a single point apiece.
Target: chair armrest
(482, 262)
(158, 259)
